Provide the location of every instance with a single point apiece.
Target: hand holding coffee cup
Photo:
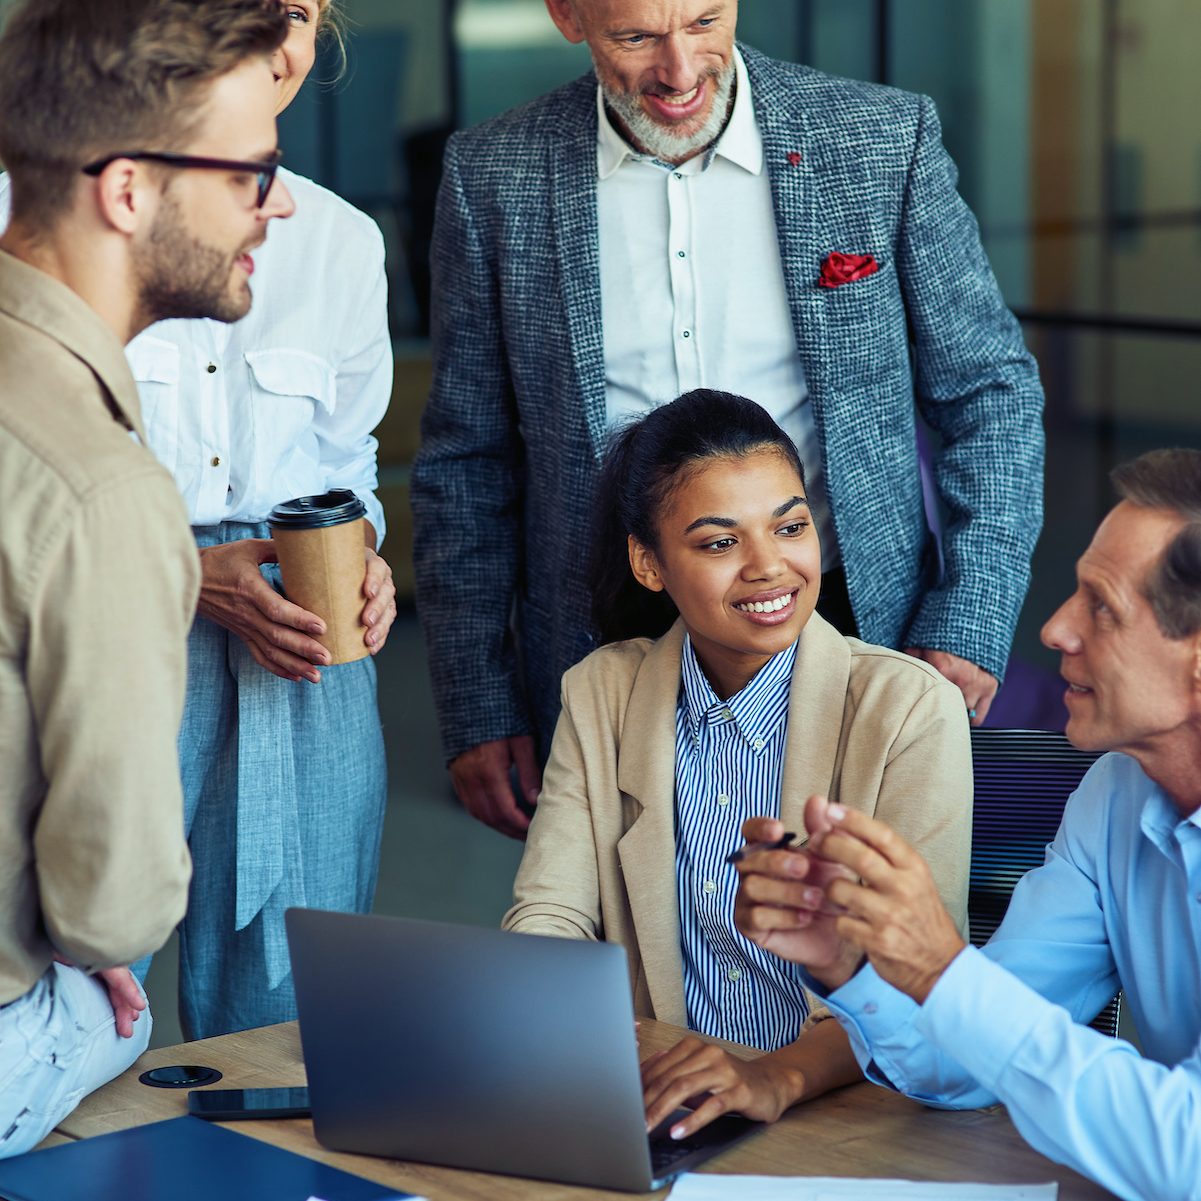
(320, 542)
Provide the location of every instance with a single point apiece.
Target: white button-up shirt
(692, 288)
(282, 403)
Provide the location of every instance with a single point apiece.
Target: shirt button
(727, 714)
(710, 887)
(722, 799)
(680, 254)
(735, 973)
(677, 174)
(211, 368)
(216, 460)
(758, 744)
(688, 333)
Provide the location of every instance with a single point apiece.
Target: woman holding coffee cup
(281, 752)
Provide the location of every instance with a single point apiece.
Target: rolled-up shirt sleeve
(880, 1024)
(113, 593)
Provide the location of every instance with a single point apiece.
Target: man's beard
(660, 140)
(180, 276)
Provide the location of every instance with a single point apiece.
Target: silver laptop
(479, 1049)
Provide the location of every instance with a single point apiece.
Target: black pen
(781, 843)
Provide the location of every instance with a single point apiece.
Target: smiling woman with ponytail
(720, 693)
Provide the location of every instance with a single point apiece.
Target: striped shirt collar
(740, 141)
(758, 711)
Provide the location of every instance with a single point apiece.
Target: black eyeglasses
(264, 171)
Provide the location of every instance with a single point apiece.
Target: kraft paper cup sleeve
(323, 571)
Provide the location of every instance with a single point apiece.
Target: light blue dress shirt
(729, 765)
(1117, 904)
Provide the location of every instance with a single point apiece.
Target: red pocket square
(839, 269)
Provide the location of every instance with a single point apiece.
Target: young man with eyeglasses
(141, 145)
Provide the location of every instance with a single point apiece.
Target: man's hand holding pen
(857, 889)
(782, 905)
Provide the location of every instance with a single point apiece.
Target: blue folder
(183, 1159)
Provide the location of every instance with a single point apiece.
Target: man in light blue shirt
(1117, 903)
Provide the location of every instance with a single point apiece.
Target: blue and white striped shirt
(729, 765)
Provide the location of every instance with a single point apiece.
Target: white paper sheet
(713, 1187)
(398, 1197)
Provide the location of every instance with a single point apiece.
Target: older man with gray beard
(693, 214)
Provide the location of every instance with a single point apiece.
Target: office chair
(1023, 779)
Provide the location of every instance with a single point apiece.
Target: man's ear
(644, 565)
(566, 19)
(123, 192)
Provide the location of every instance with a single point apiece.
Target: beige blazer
(879, 731)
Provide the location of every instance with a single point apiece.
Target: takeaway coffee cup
(320, 540)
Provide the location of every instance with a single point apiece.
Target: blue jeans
(58, 1043)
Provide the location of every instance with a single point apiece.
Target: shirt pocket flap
(287, 372)
(153, 361)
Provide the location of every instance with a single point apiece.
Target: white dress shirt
(282, 403)
(692, 289)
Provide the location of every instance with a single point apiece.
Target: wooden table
(858, 1131)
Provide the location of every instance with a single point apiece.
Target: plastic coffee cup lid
(318, 512)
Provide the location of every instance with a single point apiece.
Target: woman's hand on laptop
(713, 1082)
(699, 1075)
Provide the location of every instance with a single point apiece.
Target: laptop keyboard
(666, 1152)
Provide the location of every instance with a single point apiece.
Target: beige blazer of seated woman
(879, 731)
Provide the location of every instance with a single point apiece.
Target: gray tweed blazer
(515, 423)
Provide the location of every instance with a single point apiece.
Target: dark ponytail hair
(644, 463)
